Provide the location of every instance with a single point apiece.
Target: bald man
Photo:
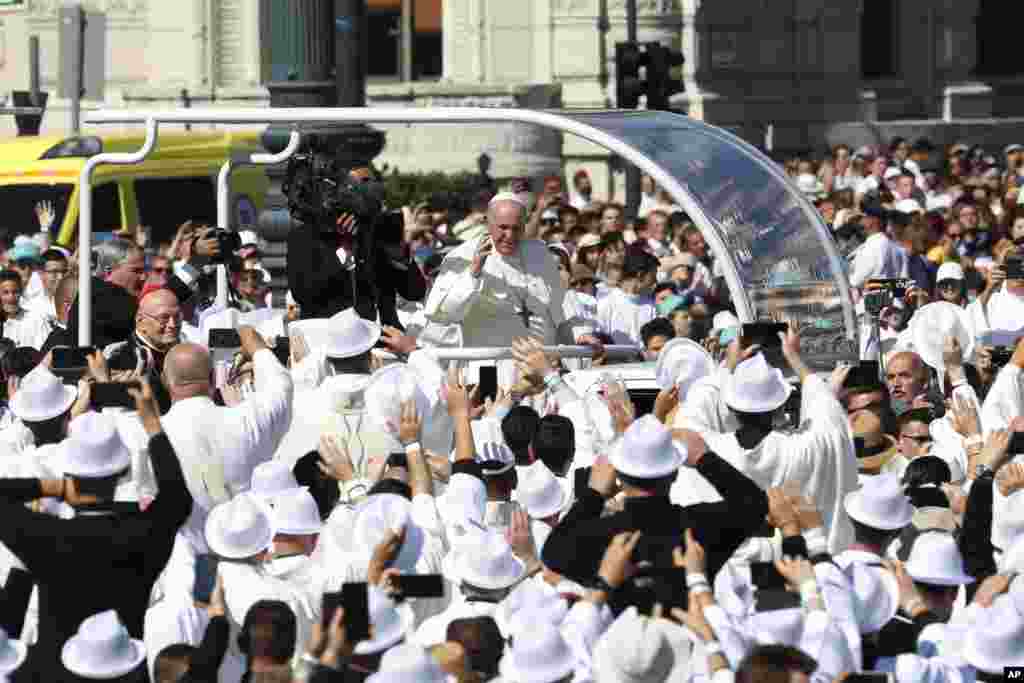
(499, 286)
(157, 329)
(907, 378)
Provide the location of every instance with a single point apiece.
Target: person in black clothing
(574, 549)
(107, 557)
(331, 268)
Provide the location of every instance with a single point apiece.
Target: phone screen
(863, 374)
(206, 578)
(488, 382)
(765, 576)
(111, 395)
(771, 600)
(355, 600)
(420, 585)
(224, 338)
(766, 335)
(71, 357)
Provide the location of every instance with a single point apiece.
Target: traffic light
(660, 83)
(29, 124)
(629, 86)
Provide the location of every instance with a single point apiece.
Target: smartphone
(765, 576)
(488, 383)
(355, 600)
(283, 350)
(70, 363)
(765, 334)
(420, 585)
(581, 480)
(206, 578)
(112, 395)
(398, 460)
(1014, 267)
(864, 374)
(871, 677)
(664, 587)
(331, 602)
(224, 338)
(1016, 446)
(771, 600)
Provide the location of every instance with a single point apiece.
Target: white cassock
(514, 296)
(27, 328)
(621, 316)
(580, 319)
(819, 456)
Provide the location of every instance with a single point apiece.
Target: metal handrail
(482, 353)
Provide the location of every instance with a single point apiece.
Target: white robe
(28, 328)
(621, 316)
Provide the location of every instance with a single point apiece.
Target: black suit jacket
(90, 564)
(322, 287)
(576, 546)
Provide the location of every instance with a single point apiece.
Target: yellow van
(176, 183)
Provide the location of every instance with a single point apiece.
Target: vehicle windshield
(19, 204)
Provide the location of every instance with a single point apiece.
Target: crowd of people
(324, 498)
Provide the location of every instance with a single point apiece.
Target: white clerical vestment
(621, 316)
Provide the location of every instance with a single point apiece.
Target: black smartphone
(1016, 446)
(863, 374)
(398, 460)
(112, 395)
(771, 600)
(331, 602)
(206, 578)
(488, 384)
(1014, 267)
(581, 481)
(765, 576)
(94, 486)
(283, 350)
(420, 585)
(765, 334)
(870, 677)
(70, 363)
(224, 338)
(355, 600)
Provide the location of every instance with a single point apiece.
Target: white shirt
(621, 316)
(491, 308)
(819, 456)
(27, 328)
(878, 258)
(219, 447)
(43, 305)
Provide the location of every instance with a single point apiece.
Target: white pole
(85, 224)
(224, 199)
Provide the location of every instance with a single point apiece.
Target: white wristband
(700, 588)
(696, 579)
(412, 448)
(712, 648)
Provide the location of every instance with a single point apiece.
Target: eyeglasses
(165, 320)
(918, 439)
(57, 271)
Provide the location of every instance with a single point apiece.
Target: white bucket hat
(390, 623)
(271, 479)
(647, 451)
(935, 559)
(295, 512)
(240, 528)
(539, 491)
(949, 271)
(484, 559)
(389, 388)
(94, 447)
(464, 501)
(408, 664)
(633, 650)
(41, 396)
(12, 654)
(995, 643)
(350, 335)
(755, 387)
(876, 596)
(880, 503)
(681, 363)
(933, 324)
(537, 601)
(378, 514)
(102, 649)
(543, 657)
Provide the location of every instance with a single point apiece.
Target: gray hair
(107, 256)
(507, 198)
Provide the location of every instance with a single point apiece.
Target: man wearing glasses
(157, 330)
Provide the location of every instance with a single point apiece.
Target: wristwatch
(599, 584)
(981, 470)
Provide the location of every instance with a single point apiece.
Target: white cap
(880, 503)
(647, 451)
(949, 271)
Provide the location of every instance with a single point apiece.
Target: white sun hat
(647, 451)
(389, 388)
(935, 559)
(880, 503)
(464, 501)
(239, 528)
(94, 447)
(408, 663)
(633, 650)
(102, 649)
(484, 559)
(876, 595)
(295, 512)
(949, 271)
(932, 325)
(349, 334)
(755, 387)
(995, 642)
(272, 478)
(375, 517)
(540, 492)
(681, 363)
(41, 396)
(543, 657)
(390, 623)
(537, 600)
(12, 653)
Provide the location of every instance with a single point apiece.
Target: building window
(384, 34)
(997, 29)
(879, 23)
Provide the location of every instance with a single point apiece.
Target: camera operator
(349, 253)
